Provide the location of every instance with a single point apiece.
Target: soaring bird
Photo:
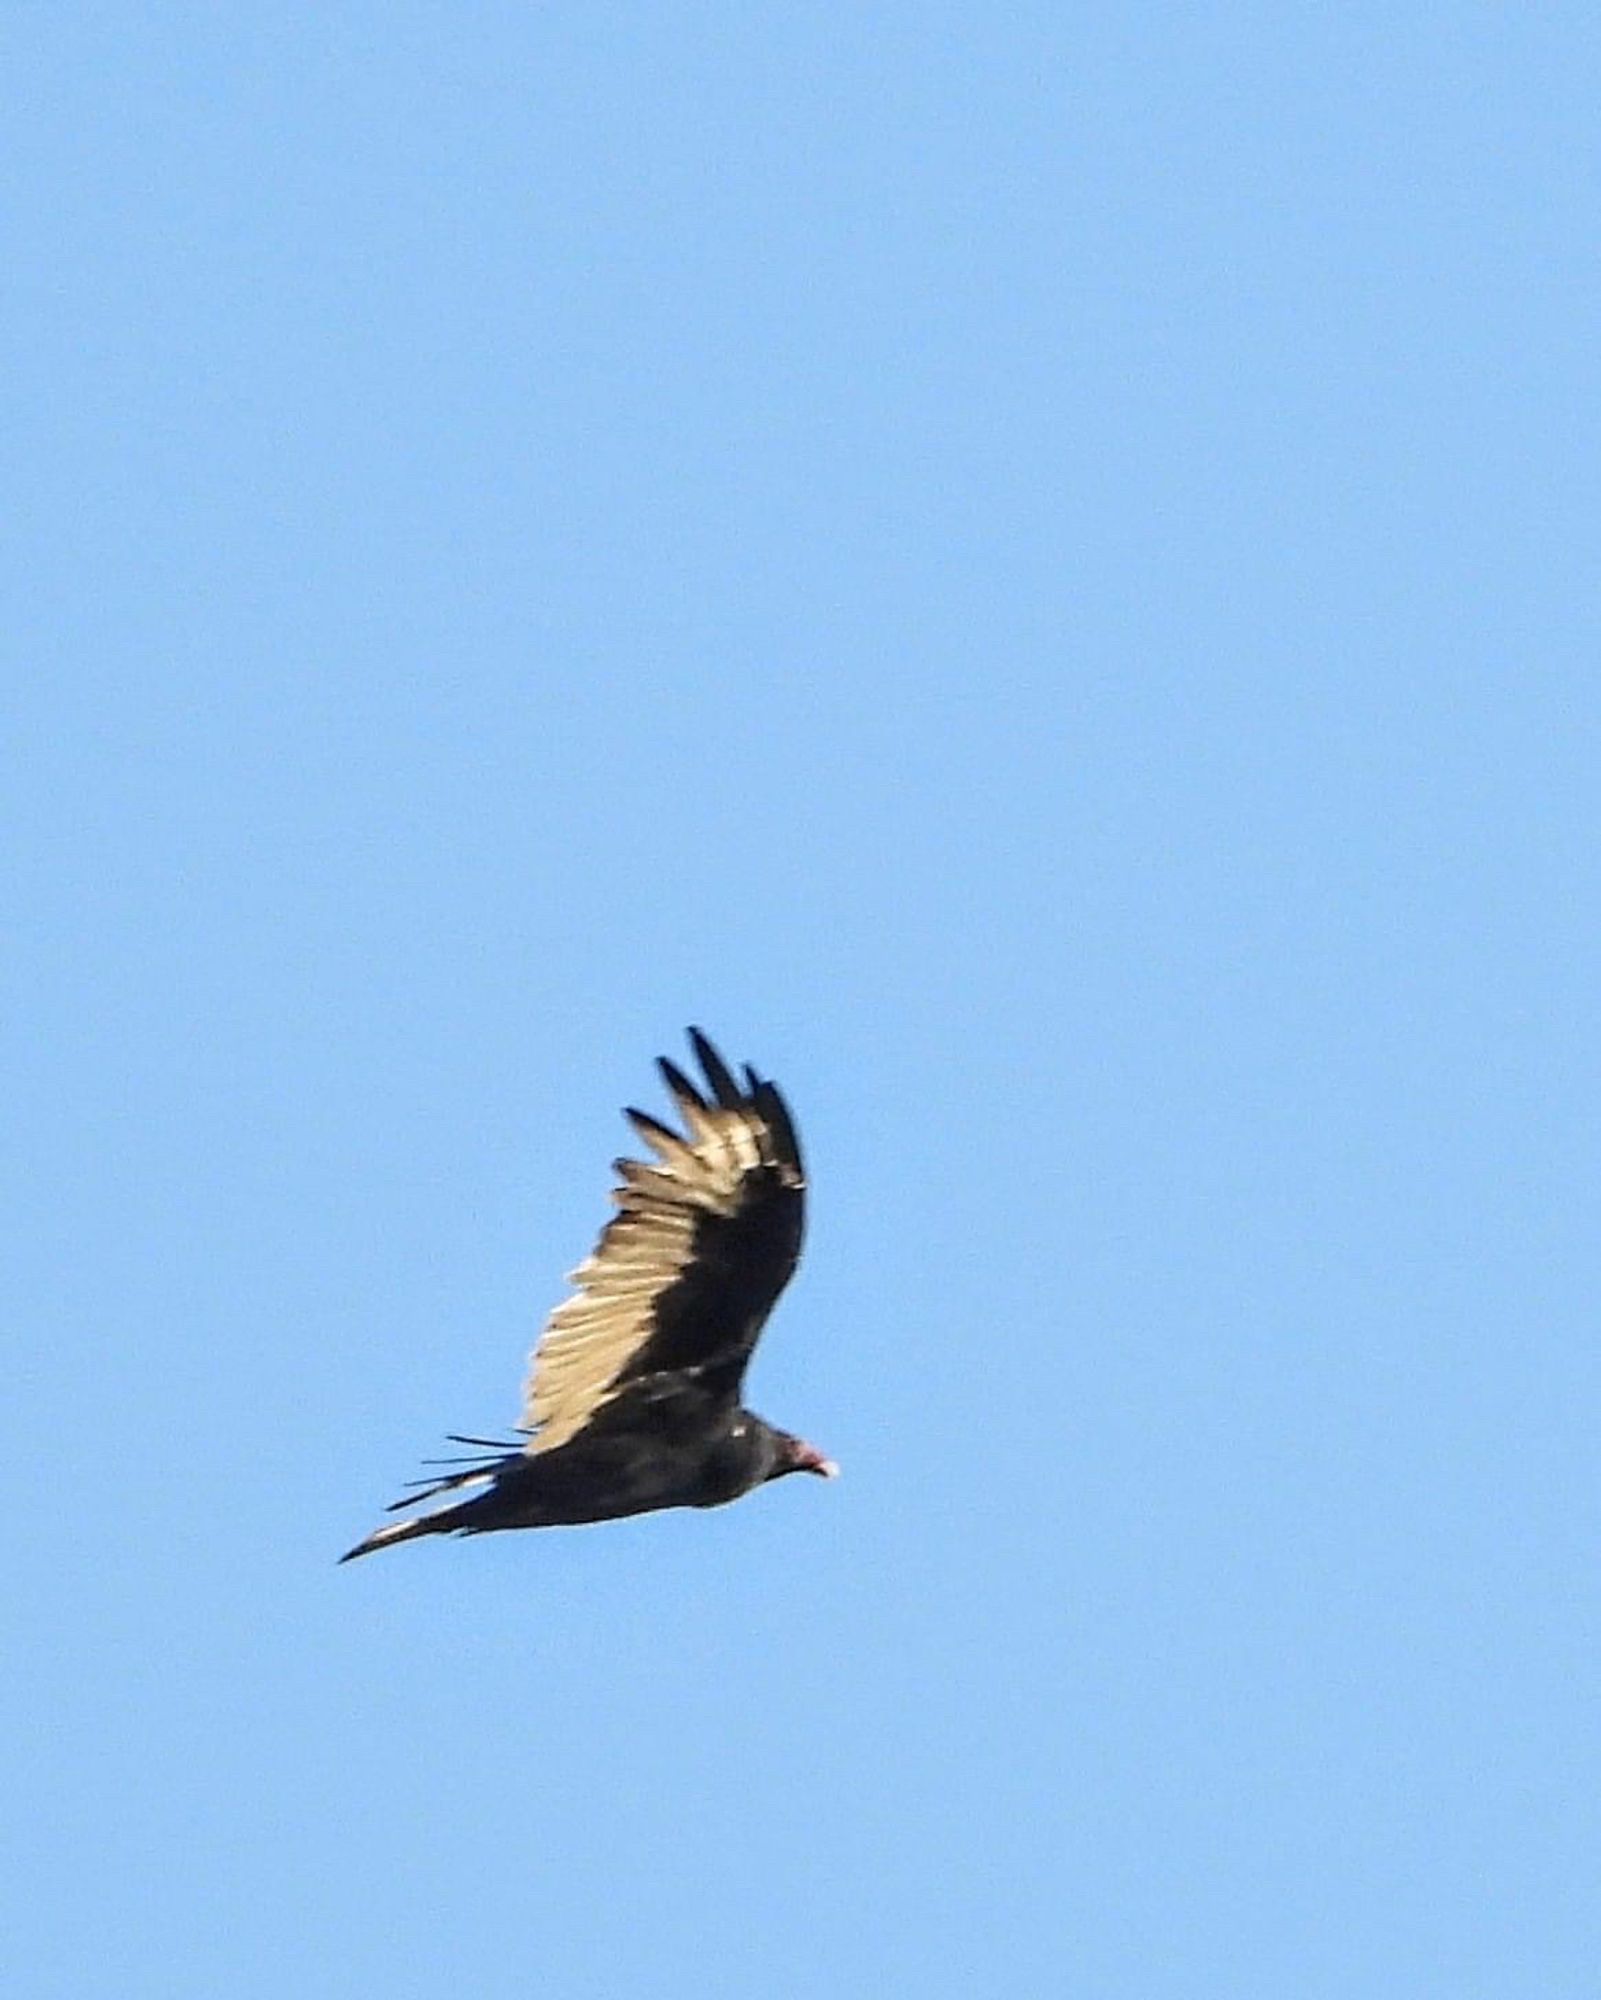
(633, 1393)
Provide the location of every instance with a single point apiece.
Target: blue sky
(1033, 569)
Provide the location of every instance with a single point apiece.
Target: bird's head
(794, 1454)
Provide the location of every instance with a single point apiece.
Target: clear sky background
(1033, 568)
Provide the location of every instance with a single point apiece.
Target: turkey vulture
(632, 1400)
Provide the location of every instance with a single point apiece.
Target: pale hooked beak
(809, 1459)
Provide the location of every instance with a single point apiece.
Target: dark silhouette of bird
(633, 1392)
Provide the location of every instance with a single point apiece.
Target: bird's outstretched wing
(684, 1275)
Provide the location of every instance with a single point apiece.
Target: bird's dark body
(691, 1450)
(633, 1399)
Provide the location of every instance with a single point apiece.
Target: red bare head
(804, 1457)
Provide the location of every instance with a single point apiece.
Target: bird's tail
(480, 1472)
(446, 1521)
(404, 1531)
